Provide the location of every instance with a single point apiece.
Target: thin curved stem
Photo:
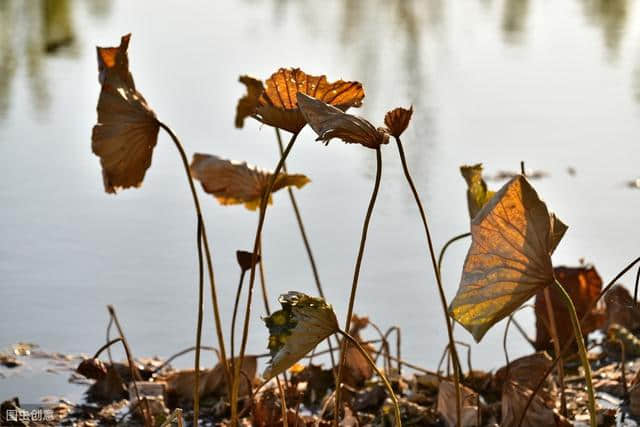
(446, 246)
(569, 342)
(106, 346)
(305, 239)
(283, 403)
(233, 316)
(356, 276)
(384, 379)
(436, 269)
(207, 252)
(263, 282)
(581, 350)
(556, 349)
(635, 288)
(252, 278)
(133, 370)
(196, 386)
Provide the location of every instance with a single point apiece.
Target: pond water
(556, 84)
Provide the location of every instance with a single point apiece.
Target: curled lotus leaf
(276, 105)
(397, 120)
(234, 183)
(245, 260)
(127, 129)
(477, 193)
(509, 261)
(294, 331)
(331, 122)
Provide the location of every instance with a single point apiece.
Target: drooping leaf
(235, 183)
(331, 122)
(127, 129)
(477, 193)
(509, 260)
(397, 120)
(276, 105)
(583, 284)
(303, 322)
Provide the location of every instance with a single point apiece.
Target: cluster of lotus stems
(513, 233)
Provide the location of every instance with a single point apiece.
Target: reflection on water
(611, 17)
(31, 30)
(514, 20)
(7, 60)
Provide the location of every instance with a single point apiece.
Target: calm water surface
(556, 84)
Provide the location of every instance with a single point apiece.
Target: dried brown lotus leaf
(330, 122)
(397, 120)
(276, 105)
(235, 183)
(127, 129)
(509, 260)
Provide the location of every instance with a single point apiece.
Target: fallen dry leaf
(621, 309)
(331, 122)
(127, 129)
(93, 369)
(526, 370)
(235, 183)
(397, 120)
(514, 400)
(583, 284)
(180, 384)
(295, 330)
(357, 369)
(509, 260)
(477, 193)
(447, 405)
(276, 105)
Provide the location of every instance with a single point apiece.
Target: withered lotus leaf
(127, 129)
(234, 183)
(331, 122)
(294, 331)
(397, 120)
(477, 193)
(276, 104)
(509, 260)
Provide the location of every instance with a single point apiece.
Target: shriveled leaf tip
(303, 322)
(397, 120)
(331, 122)
(509, 259)
(477, 193)
(245, 259)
